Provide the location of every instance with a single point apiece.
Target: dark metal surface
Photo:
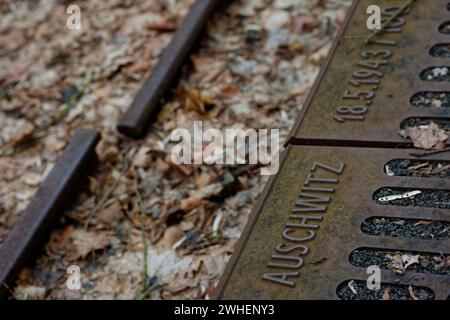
(146, 102)
(50, 200)
(385, 90)
(349, 177)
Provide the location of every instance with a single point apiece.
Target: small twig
(144, 291)
(353, 37)
(388, 21)
(147, 292)
(411, 293)
(102, 201)
(427, 153)
(11, 292)
(109, 191)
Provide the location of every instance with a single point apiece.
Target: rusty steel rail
(146, 103)
(32, 225)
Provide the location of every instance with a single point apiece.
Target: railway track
(60, 188)
(314, 232)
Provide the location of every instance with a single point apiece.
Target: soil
(445, 28)
(406, 228)
(416, 122)
(428, 198)
(427, 99)
(419, 168)
(441, 50)
(389, 291)
(252, 69)
(435, 74)
(429, 263)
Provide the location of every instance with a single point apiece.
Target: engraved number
(364, 74)
(385, 54)
(350, 113)
(395, 23)
(363, 93)
(391, 10)
(357, 83)
(374, 65)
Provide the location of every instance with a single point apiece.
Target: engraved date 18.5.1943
(367, 77)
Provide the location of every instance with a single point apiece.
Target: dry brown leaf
(424, 222)
(110, 214)
(436, 103)
(84, 242)
(171, 236)
(13, 72)
(195, 99)
(142, 157)
(396, 263)
(274, 20)
(386, 295)
(202, 180)
(33, 179)
(399, 263)
(185, 169)
(440, 169)
(161, 165)
(164, 26)
(409, 259)
(29, 292)
(106, 149)
(411, 293)
(140, 66)
(182, 284)
(192, 202)
(305, 23)
(61, 239)
(426, 137)
(23, 133)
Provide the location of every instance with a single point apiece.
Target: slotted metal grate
(300, 242)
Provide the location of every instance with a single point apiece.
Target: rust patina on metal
(312, 210)
(364, 90)
(50, 200)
